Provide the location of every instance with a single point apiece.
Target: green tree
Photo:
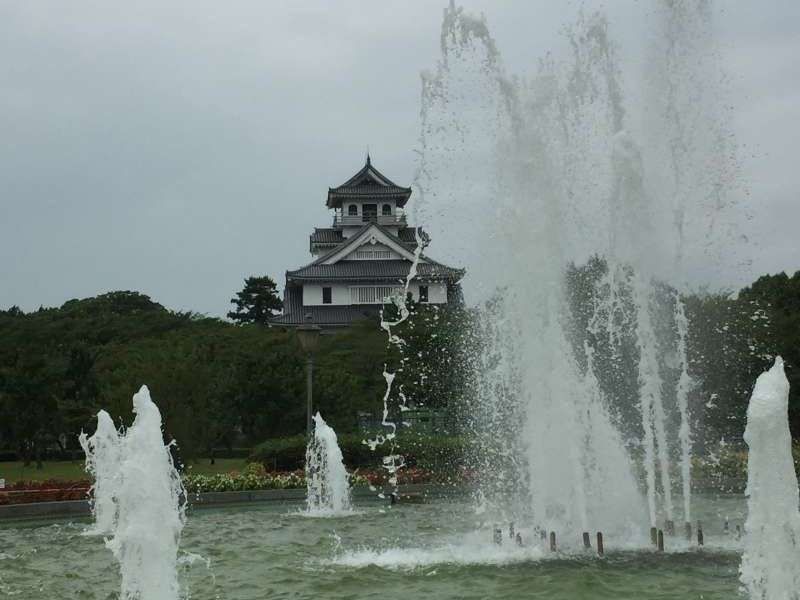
(257, 301)
(29, 387)
(14, 311)
(778, 296)
(729, 345)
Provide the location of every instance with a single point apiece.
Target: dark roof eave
(368, 182)
(326, 316)
(449, 278)
(292, 325)
(369, 190)
(377, 175)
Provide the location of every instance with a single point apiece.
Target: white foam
(770, 568)
(327, 480)
(102, 463)
(468, 551)
(140, 493)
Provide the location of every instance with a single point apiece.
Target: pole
(309, 390)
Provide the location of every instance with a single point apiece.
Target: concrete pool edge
(70, 508)
(73, 508)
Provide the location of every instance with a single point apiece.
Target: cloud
(176, 148)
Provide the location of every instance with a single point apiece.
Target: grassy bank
(13, 472)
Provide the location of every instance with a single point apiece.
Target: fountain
(580, 405)
(770, 568)
(139, 500)
(538, 174)
(102, 463)
(327, 481)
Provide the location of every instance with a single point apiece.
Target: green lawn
(71, 470)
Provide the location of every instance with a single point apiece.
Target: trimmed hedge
(430, 452)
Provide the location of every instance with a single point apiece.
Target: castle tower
(364, 258)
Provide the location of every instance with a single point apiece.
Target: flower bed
(25, 492)
(253, 477)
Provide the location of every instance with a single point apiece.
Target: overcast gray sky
(176, 147)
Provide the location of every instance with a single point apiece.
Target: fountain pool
(439, 550)
(526, 178)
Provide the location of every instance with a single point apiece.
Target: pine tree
(257, 301)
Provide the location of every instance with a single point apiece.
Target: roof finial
(368, 163)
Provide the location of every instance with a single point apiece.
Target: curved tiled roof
(294, 313)
(378, 270)
(369, 190)
(327, 316)
(367, 184)
(329, 235)
(381, 270)
(409, 235)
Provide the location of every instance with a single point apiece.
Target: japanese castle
(364, 258)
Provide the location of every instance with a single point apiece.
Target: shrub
(254, 477)
(726, 469)
(426, 451)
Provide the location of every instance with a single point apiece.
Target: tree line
(731, 339)
(218, 384)
(223, 384)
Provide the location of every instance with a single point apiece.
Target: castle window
(373, 294)
(387, 210)
(423, 293)
(369, 213)
(352, 210)
(327, 296)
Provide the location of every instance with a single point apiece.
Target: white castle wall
(340, 294)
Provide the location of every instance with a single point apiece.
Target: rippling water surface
(436, 550)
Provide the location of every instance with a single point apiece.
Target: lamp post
(308, 336)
